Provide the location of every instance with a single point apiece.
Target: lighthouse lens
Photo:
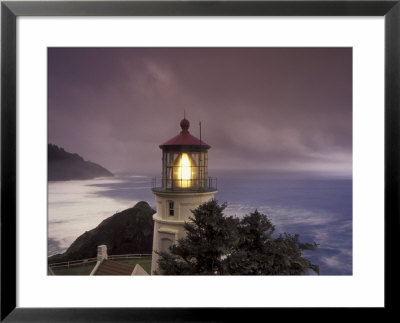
(184, 171)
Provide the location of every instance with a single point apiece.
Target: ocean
(318, 209)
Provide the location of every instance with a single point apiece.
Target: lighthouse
(183, 186)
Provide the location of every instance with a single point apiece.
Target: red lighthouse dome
(185, 140)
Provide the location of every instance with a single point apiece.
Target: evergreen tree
(259, 253)
(210, 236)
(220, 245)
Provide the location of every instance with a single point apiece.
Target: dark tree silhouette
(219, 245)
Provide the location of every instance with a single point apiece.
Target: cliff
(129, 231)
(63, 166)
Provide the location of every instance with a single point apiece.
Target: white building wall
(167, 227)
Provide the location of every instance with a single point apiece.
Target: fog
(77, 206)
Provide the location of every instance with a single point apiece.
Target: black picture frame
(11, 10)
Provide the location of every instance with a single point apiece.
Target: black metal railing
(198, 185)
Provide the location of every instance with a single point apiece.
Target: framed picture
(355, 41)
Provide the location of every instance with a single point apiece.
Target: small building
(106, 267)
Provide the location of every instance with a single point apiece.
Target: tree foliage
(220, 245)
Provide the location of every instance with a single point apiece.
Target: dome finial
(185, 123)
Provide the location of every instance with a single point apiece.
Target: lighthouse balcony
(184, 185)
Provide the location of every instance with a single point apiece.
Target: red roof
(109, 267)
(185, 138)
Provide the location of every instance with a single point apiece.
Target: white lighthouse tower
(183, 187)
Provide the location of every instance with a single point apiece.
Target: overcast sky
(264, 109)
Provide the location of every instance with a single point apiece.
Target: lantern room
(185, 163)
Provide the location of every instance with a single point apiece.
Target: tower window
(171, 208)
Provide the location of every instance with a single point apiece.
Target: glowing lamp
(183, 171)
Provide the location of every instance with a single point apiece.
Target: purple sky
(264, 109)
